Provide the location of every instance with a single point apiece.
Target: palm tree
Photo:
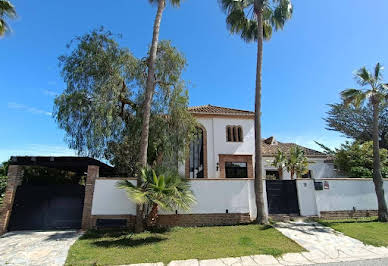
(168, 192)
(7, 10)
(377, 94)
(254, 21)
(279, 162)
(296, 162)
(150, 88)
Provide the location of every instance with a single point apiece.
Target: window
(308, 175)
(272, 174)
(236, 170)
(196, 159)
(234, 134)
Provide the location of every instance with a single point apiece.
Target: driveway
(36, 248)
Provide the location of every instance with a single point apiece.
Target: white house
(225, 148)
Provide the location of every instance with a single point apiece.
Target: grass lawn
(121, 247)
(367, 230)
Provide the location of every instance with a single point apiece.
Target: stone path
(323, 245)
(326, 245)
(36, 248)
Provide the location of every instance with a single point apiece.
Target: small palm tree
(168, 192)
(296, 162)
(279, 162)
(7, 10)
(149, 92)
(377, 94)
(254, 21)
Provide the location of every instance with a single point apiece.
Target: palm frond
(353, 96)
(377, 72)
(7, 10)
(364, 77)
(240, 21)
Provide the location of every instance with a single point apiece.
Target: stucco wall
(342, 195)
(217, 144)
(213, 196)
(109, 200)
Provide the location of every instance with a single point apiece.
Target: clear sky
(305, 66)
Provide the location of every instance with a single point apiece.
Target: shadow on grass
(128, 242)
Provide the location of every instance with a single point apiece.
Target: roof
(68, 163)
(271, 146)
(217, 110)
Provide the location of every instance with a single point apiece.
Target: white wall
(110, 200)
(306, 197)
(217, 144)
(213, 196)
(342, 195)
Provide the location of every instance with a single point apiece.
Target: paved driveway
(36, 248)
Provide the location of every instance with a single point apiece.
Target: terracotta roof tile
(216, 110)
(272, 149)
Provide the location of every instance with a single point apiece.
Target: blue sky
(305, 66)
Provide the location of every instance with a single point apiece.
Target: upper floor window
(234, 134)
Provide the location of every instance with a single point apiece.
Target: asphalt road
(376, 262)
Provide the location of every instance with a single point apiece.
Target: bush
(3, 185)
(361, 172)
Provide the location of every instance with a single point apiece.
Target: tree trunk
(280, 170)
(153, 216)
(150, 86)
(377, 178)
(261, 217)
(292, 174)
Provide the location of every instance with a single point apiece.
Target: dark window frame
(234, 134)
(233, 171)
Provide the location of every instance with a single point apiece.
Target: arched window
(234, 134)
(196, 159)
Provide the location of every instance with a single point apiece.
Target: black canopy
(68, 163)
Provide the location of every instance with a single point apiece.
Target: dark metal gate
(282, 197)
(47, 207)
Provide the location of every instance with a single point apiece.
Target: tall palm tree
(7, 10)
(254, 21)
(168, 192)
(150, 88)
(377, 94)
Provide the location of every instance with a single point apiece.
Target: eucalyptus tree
(376, 92)
(100, 108)
(7, 10)
(255, 20)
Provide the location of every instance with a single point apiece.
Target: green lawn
(367, 230)
(122, 247)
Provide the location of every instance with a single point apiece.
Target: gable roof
(217, 110)
(270, 147)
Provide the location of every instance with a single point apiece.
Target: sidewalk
(323, 245)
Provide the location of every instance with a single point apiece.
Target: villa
(225, 148)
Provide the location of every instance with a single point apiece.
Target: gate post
(15, 178)
(93, 173)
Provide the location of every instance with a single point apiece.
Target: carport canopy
(68, 163)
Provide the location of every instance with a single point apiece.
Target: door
(47, 207)
(282, 197)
